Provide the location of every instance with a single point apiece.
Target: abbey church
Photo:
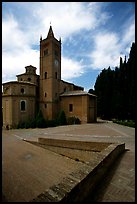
(47, 92)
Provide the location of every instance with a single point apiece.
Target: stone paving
(119, 184)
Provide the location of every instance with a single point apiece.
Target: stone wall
(78, 185)
(82, 145)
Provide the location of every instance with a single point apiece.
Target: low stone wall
(78, 185)
(81, 145)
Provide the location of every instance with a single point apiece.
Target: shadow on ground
(3, 198)
(98, 194)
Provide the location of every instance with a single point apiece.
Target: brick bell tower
(50, 75)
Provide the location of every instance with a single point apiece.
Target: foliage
(51, 123)
(61, 118)
(91, 91)
(21, 125)
(40, 121)
(73, 120)
(129, 123)
(115, 90)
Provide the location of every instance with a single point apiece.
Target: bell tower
(50, 75)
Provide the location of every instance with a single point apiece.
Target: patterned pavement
(119, 183)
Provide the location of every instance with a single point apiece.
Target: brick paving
(119, 183)
(27, 170)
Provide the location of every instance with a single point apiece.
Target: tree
(115, 90)
(40, 121)
(61, 118)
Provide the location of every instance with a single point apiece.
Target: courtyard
(28, 169)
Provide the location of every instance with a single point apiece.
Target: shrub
(33, 123)
(129, 123)
(40, 121)
(51, 123)
(61, 119)
(21, 125)
(73, 120)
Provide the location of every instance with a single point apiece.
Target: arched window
(29, 79)
(22, 90)
(23, 105)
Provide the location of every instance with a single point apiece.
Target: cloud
(129, 34)
(110, 46)
(12, 37)
(23, 25)
(106, 51)
(68, 18)
(71, 68)
(16, 51)
(14, 64)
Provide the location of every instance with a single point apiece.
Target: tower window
(45, 52)
(45, 75)
(22, 90)
(23, 105)
(29, 79)
(45, 105)
(45, 94)
(56, 75)
(70, 107)
(56, 53)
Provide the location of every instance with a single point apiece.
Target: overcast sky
(94, 36)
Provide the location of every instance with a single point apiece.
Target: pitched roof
(50, 33)
(19, 82)
(77, 93)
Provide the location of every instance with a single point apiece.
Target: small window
(56, 52)
(29, 79)
(70, 107)
(45, 94)
(21, 79)
(45, 105)
(45, 52)
(45, 75)
(22, 90)
(23, 105)
(56, 75)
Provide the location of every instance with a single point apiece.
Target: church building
(22, 99)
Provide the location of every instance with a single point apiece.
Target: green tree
(61, 118)
(115, 90)
(40, 121)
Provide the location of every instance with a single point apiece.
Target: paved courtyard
(118, 186)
